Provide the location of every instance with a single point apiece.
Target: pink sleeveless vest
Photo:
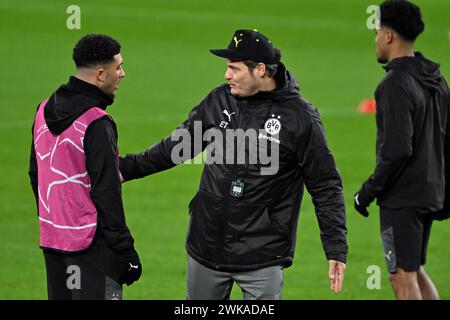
(67, 215)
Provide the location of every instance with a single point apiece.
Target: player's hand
(336, 273)
(361, 202)
(133, 273)
(131, 268)
(121, 177)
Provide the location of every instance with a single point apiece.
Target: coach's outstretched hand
(362, 201)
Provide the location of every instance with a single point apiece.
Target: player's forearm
(386, 172)
(32, 173)
(111, 219)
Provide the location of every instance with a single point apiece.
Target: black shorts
(82, 276)
(405, 236)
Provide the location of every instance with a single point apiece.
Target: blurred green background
(169, 69)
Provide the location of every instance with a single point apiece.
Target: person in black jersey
(413, 145)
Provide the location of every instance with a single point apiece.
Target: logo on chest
(224, 124)
(273, 125)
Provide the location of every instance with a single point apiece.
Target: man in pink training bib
(88, 249)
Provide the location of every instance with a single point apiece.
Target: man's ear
(389, 36)
(260, 69)
(100, 74)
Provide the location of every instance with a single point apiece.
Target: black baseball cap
(248, 45)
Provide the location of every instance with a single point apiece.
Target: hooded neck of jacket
(70, 101)
(425, 71)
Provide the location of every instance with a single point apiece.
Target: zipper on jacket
(234, 176)
(224, 211)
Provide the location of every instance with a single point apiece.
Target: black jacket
(259, 228)
(412, 136)
(64, 106)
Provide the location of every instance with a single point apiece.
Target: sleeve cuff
(337, 257)
(125, 166)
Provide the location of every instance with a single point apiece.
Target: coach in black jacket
(412, 139)
(244, 222)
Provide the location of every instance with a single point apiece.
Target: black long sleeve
(447, 161)
(324, 183)
(100, 145)
(395, 132)
(32, 173)
(158, 157)
(32, 169)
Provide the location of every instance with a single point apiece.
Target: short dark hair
(271, 68)
(93, 49)
(403, 17)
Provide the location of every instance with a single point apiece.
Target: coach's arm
(159, 156)
(324, 183)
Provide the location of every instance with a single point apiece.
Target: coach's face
(111, 74)
(241, 80)
(383, 39)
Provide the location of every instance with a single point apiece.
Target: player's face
(381, 45)
(112, 75)
(241, 80)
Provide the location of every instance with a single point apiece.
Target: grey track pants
(204, 283)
